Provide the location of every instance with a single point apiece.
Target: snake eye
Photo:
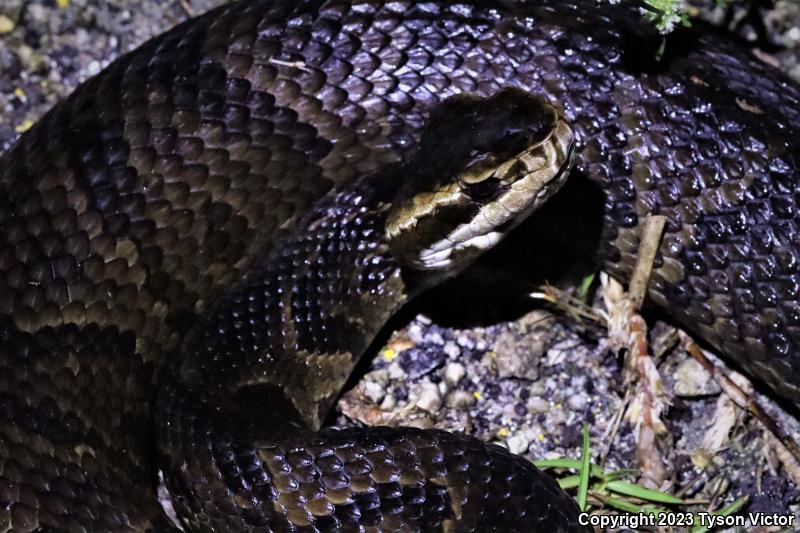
(483, 190)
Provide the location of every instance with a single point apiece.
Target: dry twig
(187, 7)
(627, 331)
(742, 398)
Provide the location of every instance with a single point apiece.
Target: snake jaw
(435, 260)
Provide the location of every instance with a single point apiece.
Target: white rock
(415, 333)
(692, 380)
(454, 372)
(373, 391)
(429, 398)
(465, 342)
(537, 405)
(451, 349)
(396, 372)
(389, 402)
(94, 67)
(517, 443)
(576, 401)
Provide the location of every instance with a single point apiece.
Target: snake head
(481, 167)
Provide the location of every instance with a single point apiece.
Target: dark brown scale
(158, 183)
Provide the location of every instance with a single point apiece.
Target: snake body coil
(132, 206)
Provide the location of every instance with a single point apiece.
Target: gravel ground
(526, 379)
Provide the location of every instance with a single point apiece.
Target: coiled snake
(255, 147)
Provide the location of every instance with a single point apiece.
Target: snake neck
(301, 319)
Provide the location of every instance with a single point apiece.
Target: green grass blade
(558, 463)
(585, 472)
(569, 482)
(631, 489)
(586, 284)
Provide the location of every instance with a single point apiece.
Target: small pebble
(459, 399)
(94, 68)
(416, 333)
(517, 444)
(396, 372)
(30, 59)
(454, 372)
(538, 405)
(692, 380)
(421, 360)
(576, 402)
(6, 24)
(465, 342)
(537, 388)
(429, 398)
(373, 391)
(389, 402)
(515, 360)
(451, 349)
